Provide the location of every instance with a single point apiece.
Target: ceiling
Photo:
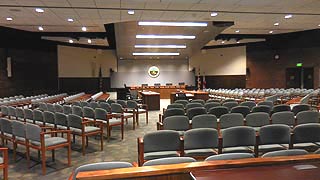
(249, 16)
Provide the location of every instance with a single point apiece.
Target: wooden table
(164, 91)
(152, 99)
(190, 95)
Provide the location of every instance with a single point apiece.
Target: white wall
(221, 61)
(83, 62)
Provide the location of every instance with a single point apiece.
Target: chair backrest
(33, 132)
(110, 101)
(50, 107)
(4, 110)
(231, 120)
(61, 119)
(202, 138)
(5, 125)
(123, 103)
(173, 112)
(75, 121)
(249, 104)
(244, 110)
(175, 105)
(100, 166)
(238, 136)
(285, 117)
(210, 105)
(274, 134)
(262, 108)
(67, 109)
(213, 100)
(266, 103)
(177, 123)
(38, 115)
(195, 111)
(230, 105)
(48, 117)
(183, 102)
(88, 112)
(77, 110)
(58, 108)
(228, 100)
(76, 103)
(306, 133)
(300, 107)
(193, 105)
(100, 114)
(116, 108)
(287, 152)
(280, 108)
(28, 114)
(94, 105)
(201, 101)
(43, 106)
(105, 106)
(12, 111)
(218, 111)
(132, 104)
(257, 119)
(20, 113)
(169, 160)
(164, 140)
(304, 117)
(84, 104)
(18, 129)
(229, 156)
(204, 121)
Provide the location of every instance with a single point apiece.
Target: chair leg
(5, 173)
(53, 155)
(108, 133)
(43, 158)
(122, 131)
(69, 154)
(134, 123)
(147, 115)
(83, 145)
(137, 118)
(87, 141)
(15, 145)
(101, 140)
(74, 138)
(28, 156)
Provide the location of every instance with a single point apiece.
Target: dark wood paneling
(88, 85)
(226, 81)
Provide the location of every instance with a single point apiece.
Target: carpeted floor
(115, 150)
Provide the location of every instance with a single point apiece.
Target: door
(299, 77)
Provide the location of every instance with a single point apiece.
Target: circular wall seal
(153, 71)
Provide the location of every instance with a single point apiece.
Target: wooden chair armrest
(140, 151)
(56, 131)
(159, 125)
(3, 149)
(143, 106)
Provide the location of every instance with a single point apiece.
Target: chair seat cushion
(29, 120)
(142, 110)
(87, 129)
(88, 119)
(240, 149)
(7, 135)
(271, 147)
(1, 160)
(200, 152)
(51, 141)
(160, 154)
(127, 115)
(111, 121)
(304, 145)
(62, 127)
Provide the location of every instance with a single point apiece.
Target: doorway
(299, 77)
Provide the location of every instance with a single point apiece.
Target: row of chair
(203, 142)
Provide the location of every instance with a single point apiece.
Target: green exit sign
(299, 64)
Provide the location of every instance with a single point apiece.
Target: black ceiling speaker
(222, 23)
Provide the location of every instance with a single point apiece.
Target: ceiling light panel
(143, 36)
(183, 24)
(156, 54)
(160, 46)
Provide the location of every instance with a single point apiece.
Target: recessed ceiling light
(156, 54)
(319, 25)
(237, 31)
(89, 41)
(276, 24)
(84, 28)
(70, 20)
(154, 23)
(9, 18)
(142, 36)
(40, 28)
(222, 42)
(39, 10)
(213, 14)
(238, 42)
(70, 41)
(270, 32)
(160, 46)
(131, 12)
(288, 16)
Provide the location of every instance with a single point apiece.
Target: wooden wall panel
(88, 85)
(227, 81)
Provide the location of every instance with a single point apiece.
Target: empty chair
(204, 121)
(231, 120)
(193, 105)
(280, 108)
(257, 120)
(6, 130)
(218, 111)
(175, 105)
(213, 100)
(230, 105)
(123, 103)
(110, 101)
(171, 112)
(195, 111)
(20, 114)
(105, 106)
(304, 117)
(84, 104)
(169, 160)
(200, 143)
(48, 118)
(284, 117)
(38, 117)
(100, 166)
(229, 156)
(300, 107)
(266, 103)
(244, 110)
(177, 123)
(287, 152)
(4, 111)
(210, 105)
(201, 101)
(61, 121)
(50, 107)
(11, 112)
(19, 135)
(4, 162)
(76, 103)
(238, 139)
(229, 100)
(306, 136)
(77, 110)
(43, 106)
(139, 109)
(88, 113)
(183, 102)
(159, 144)
(28, 115)
(119, 112)
(274, 137)
(94, 105)
(262, 108)
(249, 104)
(67, 109)
(58, 108)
